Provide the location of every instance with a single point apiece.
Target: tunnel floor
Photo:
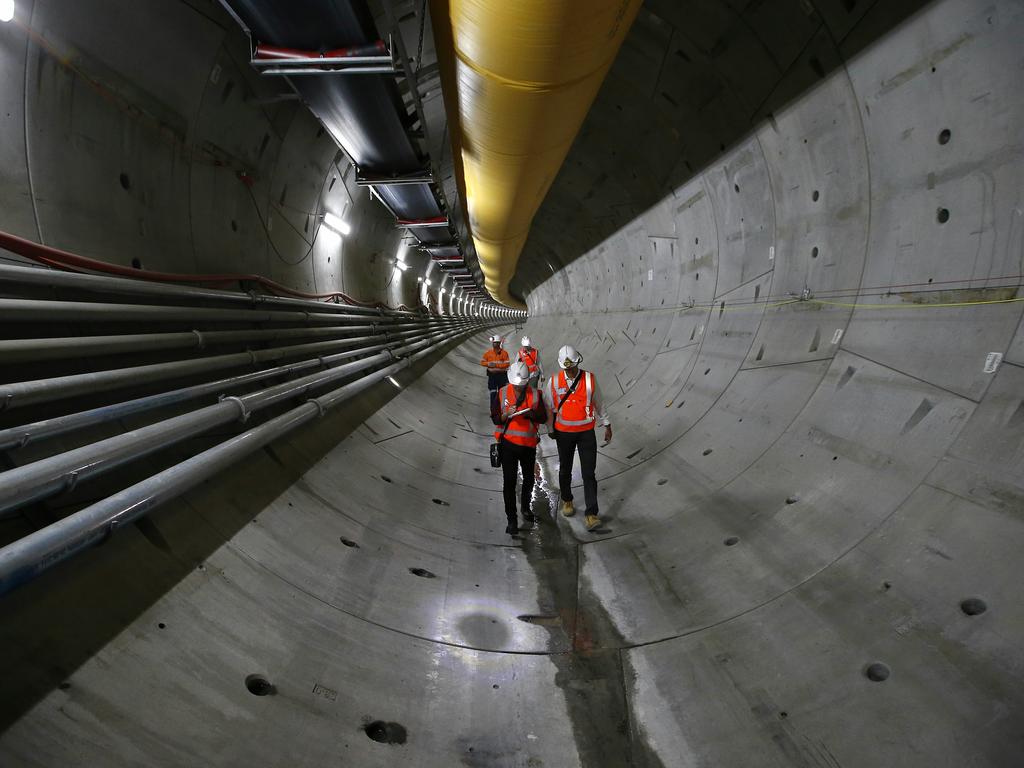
(368, 609)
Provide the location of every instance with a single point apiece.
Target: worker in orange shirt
(496, 361)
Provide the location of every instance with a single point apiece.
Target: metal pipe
(18, 437)
(23, 560)
(40, 479)
(19, 394)
(34, 310)
(357, 70)
(124, 286)
(23, 350)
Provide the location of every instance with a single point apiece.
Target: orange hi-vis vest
(529, 359)
(577, 412)
(521, 430)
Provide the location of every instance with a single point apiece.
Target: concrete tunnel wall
(793, 494)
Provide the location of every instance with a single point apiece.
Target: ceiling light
(401, 265)
(331, 221)
(427, 282)
(6, 10)
(392, 380)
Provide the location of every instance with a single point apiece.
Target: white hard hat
(496, 338)
(569, 357)
(518, 373)
(526, 341)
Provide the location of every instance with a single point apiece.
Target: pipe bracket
(6, 402)
(320, 410)
(200, 341)
(244, 415)
(70, 481)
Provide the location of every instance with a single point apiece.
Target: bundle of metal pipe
(359, 348)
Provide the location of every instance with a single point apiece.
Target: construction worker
(574, 407)
(496, 361)
(531, 356)
(518, 409)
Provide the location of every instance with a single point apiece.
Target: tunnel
(787, 240)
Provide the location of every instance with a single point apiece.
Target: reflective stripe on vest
(577, 412)
(531, 362)
(521, 430)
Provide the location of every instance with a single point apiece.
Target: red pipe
(277, 52)
(72, 262)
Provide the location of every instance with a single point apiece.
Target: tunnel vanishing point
(250, 255)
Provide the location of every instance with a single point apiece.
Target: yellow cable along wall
(522, 74)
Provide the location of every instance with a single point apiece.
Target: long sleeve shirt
(601, 417)
(499, 358)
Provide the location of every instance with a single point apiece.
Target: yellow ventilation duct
(519, 77)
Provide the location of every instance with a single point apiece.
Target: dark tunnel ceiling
(691, 79)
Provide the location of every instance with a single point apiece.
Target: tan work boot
(568, 509)
(592, 522)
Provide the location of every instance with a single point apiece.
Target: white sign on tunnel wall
(992, 361)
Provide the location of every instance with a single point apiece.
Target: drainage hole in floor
(731, 541)
(386, 733)
(385, 478)
(877, 672)
(349, 543)
(441, 502)
(707, 451)
(423, 573)
(972, 606)
(662, 481)
(258, 685)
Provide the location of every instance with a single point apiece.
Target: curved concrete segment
(813, 503)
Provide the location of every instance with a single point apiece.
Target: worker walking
(518, 409)
(575, 407)
(531, 356)
(496, 361)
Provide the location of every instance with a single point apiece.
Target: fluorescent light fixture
(419, 279)
(392, 380)
(6, 10)
(401, 265)
(331, 221)
(427, 282)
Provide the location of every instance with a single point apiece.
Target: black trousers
(513, 457)
(496, 380)
(586, 444)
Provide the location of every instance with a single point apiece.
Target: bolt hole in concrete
(973, 606)
(161, 625)
(441, 502)
(385, 478)
(945, 135)
(792, 499)
(943, 215)
(349, 543)
(814, 252)
(258, 685)
(877, 672)
(815, 196)
(136, 263)
(783, 714)
(386, 733)
(662, 481)
(732, 541)
(708, 451)
(423, 573)
(736, 187)
(126, 183)
(234, 225)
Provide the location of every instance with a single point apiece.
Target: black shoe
(512, 529)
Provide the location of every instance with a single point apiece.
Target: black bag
(553, 434)
(496, 447)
